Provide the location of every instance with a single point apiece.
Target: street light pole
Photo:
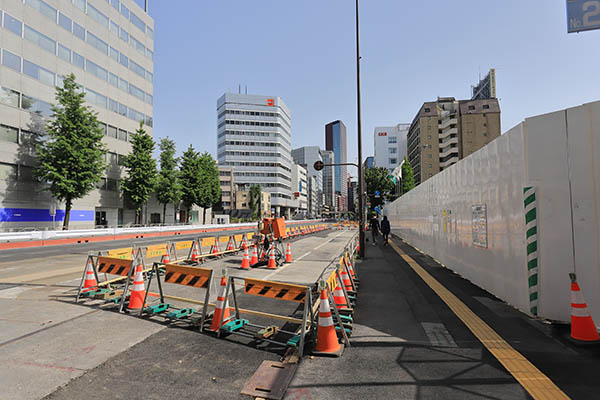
(361, 207)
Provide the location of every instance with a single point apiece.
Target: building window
(96, 70)
(471, 107)
(39, 73)
(43, 8)
(40, 39)
(78, 31)
(111, 132)
(78, 60)
(65, 22)
(486, 106)
(124, 35)
(9, 134)
(392, 150)
(13, 24)
(114, 28)
(9, 97)
(98, 43)
(80, 4)
(392, 139)
(427, 110)
(64, 53)
(393, 160)
(122, 135)
(11, 60)
(97, 15)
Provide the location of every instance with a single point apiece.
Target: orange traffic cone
(327, 341)
(350, 267)
(245, 260)
(288, 254)
(222, 306)
(166, 259)
(582, 325)
(272, 264)
(346, 280)
(195, 257)
(254, 258)
(136, 299)
(90, 279)
(338, 297)
(244, 244)
(214, 248)
(230, 245)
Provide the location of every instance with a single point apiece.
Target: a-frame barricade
(232, 246)
(138, 259)
(195, 255)
(234, 324)
(197, 277)
(215, 248)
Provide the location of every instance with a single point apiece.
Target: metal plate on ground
(270, 381)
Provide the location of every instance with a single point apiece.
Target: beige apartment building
(447, 130)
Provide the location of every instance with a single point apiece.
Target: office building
(390, 145)
(352, 195)
(109, 46)
(307, 156)
(254, 137)
(300, 189)
(328, 180)
(335, 140)
(369, 162)
(228, 189)
(447, 130)
(242, 203)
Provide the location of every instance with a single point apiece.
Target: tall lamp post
(361, 177)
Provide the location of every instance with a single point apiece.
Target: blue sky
(412, 51)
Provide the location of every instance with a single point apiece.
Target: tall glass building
(109, 46)
(335, 140)
(254, 136)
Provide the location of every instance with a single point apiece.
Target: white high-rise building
(307, 156)
(390, 145)
(300, 189)
(109, 47)
(254, 136)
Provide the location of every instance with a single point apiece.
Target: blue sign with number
(583, 15)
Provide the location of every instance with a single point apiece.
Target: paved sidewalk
(408, 344)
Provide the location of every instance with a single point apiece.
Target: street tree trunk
(203, 215)
(68, 205)
(165, 214)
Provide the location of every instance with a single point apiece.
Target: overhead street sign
(583, 15)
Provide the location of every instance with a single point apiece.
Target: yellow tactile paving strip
(538, 385)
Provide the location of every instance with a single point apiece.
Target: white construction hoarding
(472, 216)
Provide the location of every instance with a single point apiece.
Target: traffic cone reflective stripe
(136, 299)
(245, 260)
(272, 264)
(582, 325)
(288, 254)
(327, 341)
(254, 258)
(230, 245)
(90, 278)
(350, 267)
(221, 307)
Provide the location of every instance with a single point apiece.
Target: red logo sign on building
(271, 102)
(382, 134)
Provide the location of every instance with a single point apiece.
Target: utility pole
(361, 208)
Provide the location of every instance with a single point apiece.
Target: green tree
(377, 179)
(255, 201)
(408, 179)
(190, 177)
(71, 159)
(168, 187)
(141, 172)
(210, 193)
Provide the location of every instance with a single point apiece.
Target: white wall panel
(558, 154)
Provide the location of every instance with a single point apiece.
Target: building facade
(300, 189)
(447, 130)
(254, 137)
(369, 162)
(228, 188)
(335, 140)
(109, 47)
(307, 156)
(328, 180)
(390, 145)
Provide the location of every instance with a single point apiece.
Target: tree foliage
(168, 187)
(210, 193)
(377, 179)
(141, 171)
(255, 201)
(71, 159)
(408, 179)
(190, 177)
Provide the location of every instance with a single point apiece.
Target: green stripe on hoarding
(529, 200)
(530, 210)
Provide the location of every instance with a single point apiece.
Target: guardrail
(11, 237)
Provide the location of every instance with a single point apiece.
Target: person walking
(374, 223)
(385, 229)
